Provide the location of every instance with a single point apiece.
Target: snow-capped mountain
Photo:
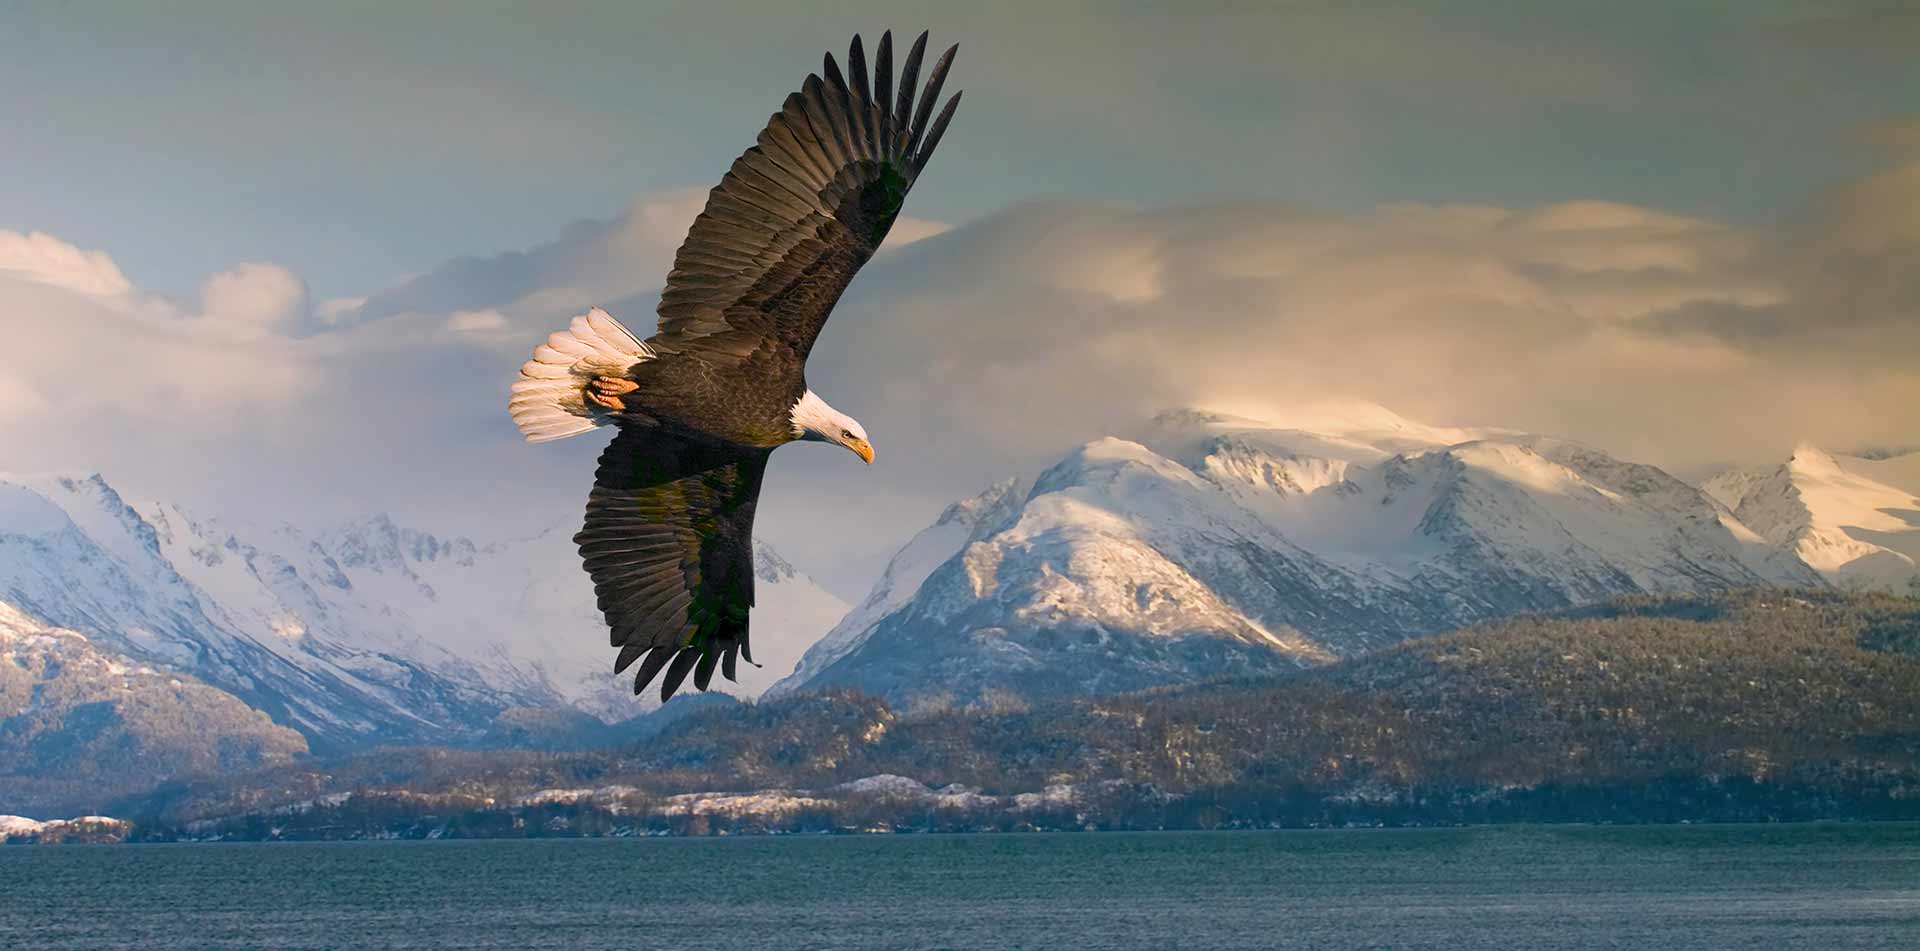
(1209, 545)
(82, 725)
(1201, 545)
(960, 524)
(1855, 520)
(791, 613)
(370, 631)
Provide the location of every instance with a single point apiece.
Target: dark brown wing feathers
(799, 213)
(668, 537)
(668, 541)
(935, 80)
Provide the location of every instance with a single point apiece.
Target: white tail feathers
(549, 400)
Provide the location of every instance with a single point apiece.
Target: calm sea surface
(1668, 889)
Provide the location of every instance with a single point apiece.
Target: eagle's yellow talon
(607, 390)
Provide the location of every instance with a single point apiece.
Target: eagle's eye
(846, 434)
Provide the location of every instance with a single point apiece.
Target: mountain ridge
(1196, 546)
(370, 631)
(79, 724)
(1204, 539)
(1853, 519)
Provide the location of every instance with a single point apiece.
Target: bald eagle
(700, 405)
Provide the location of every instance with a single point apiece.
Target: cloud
(988, 349)
(1900, 135)
(337, 311)
(1885, 33)
(44, 259)
(20, 400)
(908, 229)
(255, 297)
(619, 263)
(592, 263)
(106, 375)
(477, 321)
(1572, 318)
(1877, 216)
(1848, 272)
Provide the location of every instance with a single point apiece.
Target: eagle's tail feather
(549, 399)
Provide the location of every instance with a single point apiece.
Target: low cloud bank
(986, 349)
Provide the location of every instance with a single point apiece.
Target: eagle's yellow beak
(863, 449)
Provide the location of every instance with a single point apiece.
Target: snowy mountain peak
(768, 566)
(958, 525)
(373, 630)
(1235, 461)
(1854, 520)
(379, 544)
(1811, 459)
(28, 513)
(1108, 461)
(93, 507)
(1211, 542)
(969, 511)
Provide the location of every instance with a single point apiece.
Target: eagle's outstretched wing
(669, 543)
(799, 213)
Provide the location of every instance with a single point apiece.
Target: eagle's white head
(815, 421)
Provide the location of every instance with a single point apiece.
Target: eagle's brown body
(683, 393)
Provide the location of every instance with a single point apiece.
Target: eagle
(701, 405)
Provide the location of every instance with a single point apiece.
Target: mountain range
(1200, 546)
(1855, 519)
(371, 632)
(1208, 544)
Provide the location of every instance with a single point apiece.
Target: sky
(282, 260)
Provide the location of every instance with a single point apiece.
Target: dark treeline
(1757, 706)
(1136, 808)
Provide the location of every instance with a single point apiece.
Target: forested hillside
(1753, 706)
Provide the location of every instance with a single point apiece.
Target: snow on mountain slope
(369, 631)
(1214, 544)
(523, 611)
(1131, 540)
(74, 554)
(1117, 571)
(1856, 521)
(1901, 470)
(82, 724)
(961, 523)
(790, 615)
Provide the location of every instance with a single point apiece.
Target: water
(1674, 889)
